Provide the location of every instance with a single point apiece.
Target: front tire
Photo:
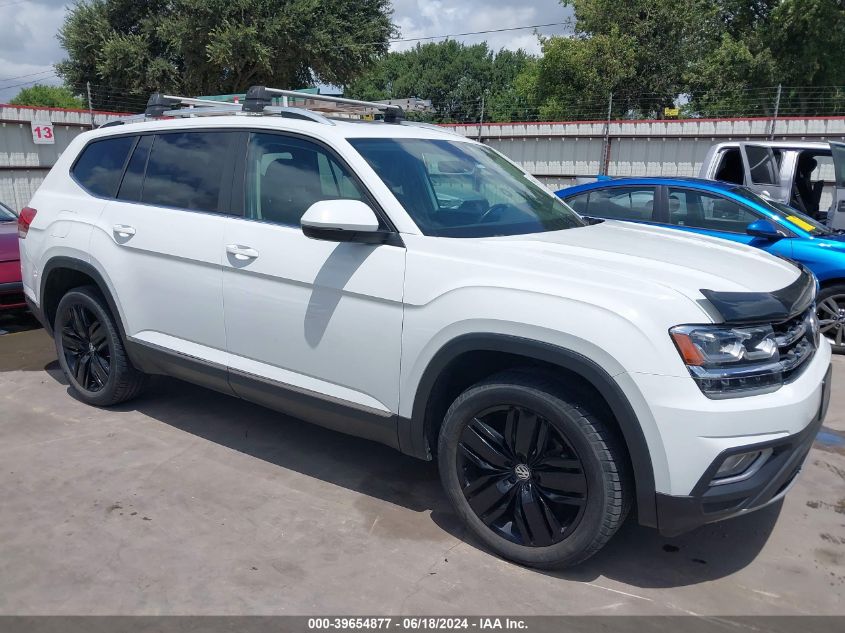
(830, 309)
(91, 352)
(532, 471)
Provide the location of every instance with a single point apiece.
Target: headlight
(725, 360)
(713, 346)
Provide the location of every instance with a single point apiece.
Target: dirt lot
(190, 502)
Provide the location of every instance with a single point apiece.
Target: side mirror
(765, 229)
(342, 221)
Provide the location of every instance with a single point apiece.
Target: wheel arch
(831, 281)
(62, 273)
(472, 357)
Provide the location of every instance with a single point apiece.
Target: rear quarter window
(100, 165)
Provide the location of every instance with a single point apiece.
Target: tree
(48, 97)
(573, 78)
(796, 43)
(201, 47)
(453, 75)
(667, 37)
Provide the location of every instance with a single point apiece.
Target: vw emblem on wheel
(522, 472)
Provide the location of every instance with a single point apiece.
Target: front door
(837, 215)
(313, 327)
(711, 214)
(762, 173)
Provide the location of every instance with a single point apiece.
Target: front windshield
(786, 213)
(459, 189)
(6, 214)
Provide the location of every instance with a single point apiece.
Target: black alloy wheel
(535, 468)
(521, 476)
(91, 350)
(85, 345)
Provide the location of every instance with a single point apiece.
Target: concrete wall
(557, 153)
(23, 164)
(561, 153)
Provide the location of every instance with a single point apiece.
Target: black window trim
(122, 170)
(224, 200)
(126, 167)
(237, 165)
(240, 186)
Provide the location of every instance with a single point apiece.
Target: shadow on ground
(636, 556)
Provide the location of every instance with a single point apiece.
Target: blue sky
(28, 44)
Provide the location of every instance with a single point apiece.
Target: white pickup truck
(807, 175)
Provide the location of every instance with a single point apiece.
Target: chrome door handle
(123, 230)
(241, 253)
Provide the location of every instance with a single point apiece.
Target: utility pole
(605, 144)
(90, 104)
(775, 117)
(481, 121)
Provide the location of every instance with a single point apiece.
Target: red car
(11, 288)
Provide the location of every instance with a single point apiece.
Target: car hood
(626, 253)
(9, 241)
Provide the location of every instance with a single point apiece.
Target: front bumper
(708, 503)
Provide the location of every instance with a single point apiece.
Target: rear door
(634, 203)
(762, 172)
(161, 241)
(837, 216)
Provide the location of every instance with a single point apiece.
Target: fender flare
(413, 433)
(62, 261)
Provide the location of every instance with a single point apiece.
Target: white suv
(416, 288)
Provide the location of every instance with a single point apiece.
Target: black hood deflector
(756, 307)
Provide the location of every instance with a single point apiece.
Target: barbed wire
(741, 102)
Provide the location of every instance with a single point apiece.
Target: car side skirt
(299, 403)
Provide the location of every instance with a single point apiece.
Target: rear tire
(830, 308)
(532, 471)
(91, 352)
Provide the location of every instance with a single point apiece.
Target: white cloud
(421, 18)
(29, 45)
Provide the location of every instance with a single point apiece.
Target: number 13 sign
(42, 133)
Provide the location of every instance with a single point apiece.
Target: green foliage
(454, 76)
(656, 39)
(219, 46)
(797, 43)
(575, 75)
(48, 97)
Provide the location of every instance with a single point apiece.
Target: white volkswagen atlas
(406, 285)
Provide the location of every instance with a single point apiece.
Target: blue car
(732, 212)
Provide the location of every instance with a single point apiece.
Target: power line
(26, 83)
(43, 72)
(512, 28)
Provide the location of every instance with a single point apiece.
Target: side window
(622, 203)
(730, 167)
(185, 170)
(286, 175)
(100, 165)
(130, 188)
(579, 203)
(763, 169)
(700, 210)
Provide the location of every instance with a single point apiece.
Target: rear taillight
(24, 220)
